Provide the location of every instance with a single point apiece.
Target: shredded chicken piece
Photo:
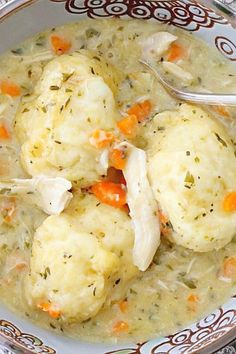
(48, 193)
(177, 71)
(143, 207)
(104, 160)
(157, 44)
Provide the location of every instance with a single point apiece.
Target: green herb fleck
(67, 102)
(66, 77)
(220, 140)
(27, 245)
(190, 284)
(169, 267)
(97, 58)
(46, 273)
(54, 88)
(91, 32)
(52, 325)
(18, 51)
(40, 41)
(189, 180)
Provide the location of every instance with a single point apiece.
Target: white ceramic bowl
(20, 19)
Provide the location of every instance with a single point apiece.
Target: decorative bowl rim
(9, 8)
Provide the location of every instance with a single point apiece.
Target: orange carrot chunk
(118, 158)
(115, 176)
(9, 88)
(52, 310)
(229, 203)
(123, 305)
(222, 110)
(60, 45)
(8, 209)
(110, 193)
(176, 52)
(4, 134)
(128, 126)
(141, 110)
(101, 139)
(230, 267)
(165, 229)
(193, 298)
(120, 326)
(21, 266)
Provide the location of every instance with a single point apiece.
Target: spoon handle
(194, 97)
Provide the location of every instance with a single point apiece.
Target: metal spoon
(194, 97)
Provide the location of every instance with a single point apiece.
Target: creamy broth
(157, 300)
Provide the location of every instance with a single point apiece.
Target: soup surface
(61, 91)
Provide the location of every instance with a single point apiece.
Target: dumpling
(113, 227)
(192, 167)
(73, 98)
(81, 260)
(69, 269)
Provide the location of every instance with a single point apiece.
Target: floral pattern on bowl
(219, 327)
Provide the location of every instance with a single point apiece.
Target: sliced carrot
(230, 267)
(118, 158)
(51, 309)
(120, 326)
(110, 193)
(222, 110)
(44, 306)
(128, 126)
(115, 176)
(163, 218)
(60, 45)
(176, 52)
(4, 134)
(101, 139)
(126, 209)
(165, 229)
(141, 110)
(54, 313)
(123, 305)
(8, 209)
(192, 302)
(9, 88)
(229, 203)
(21, 266)
(193, 298)
(15, 261)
